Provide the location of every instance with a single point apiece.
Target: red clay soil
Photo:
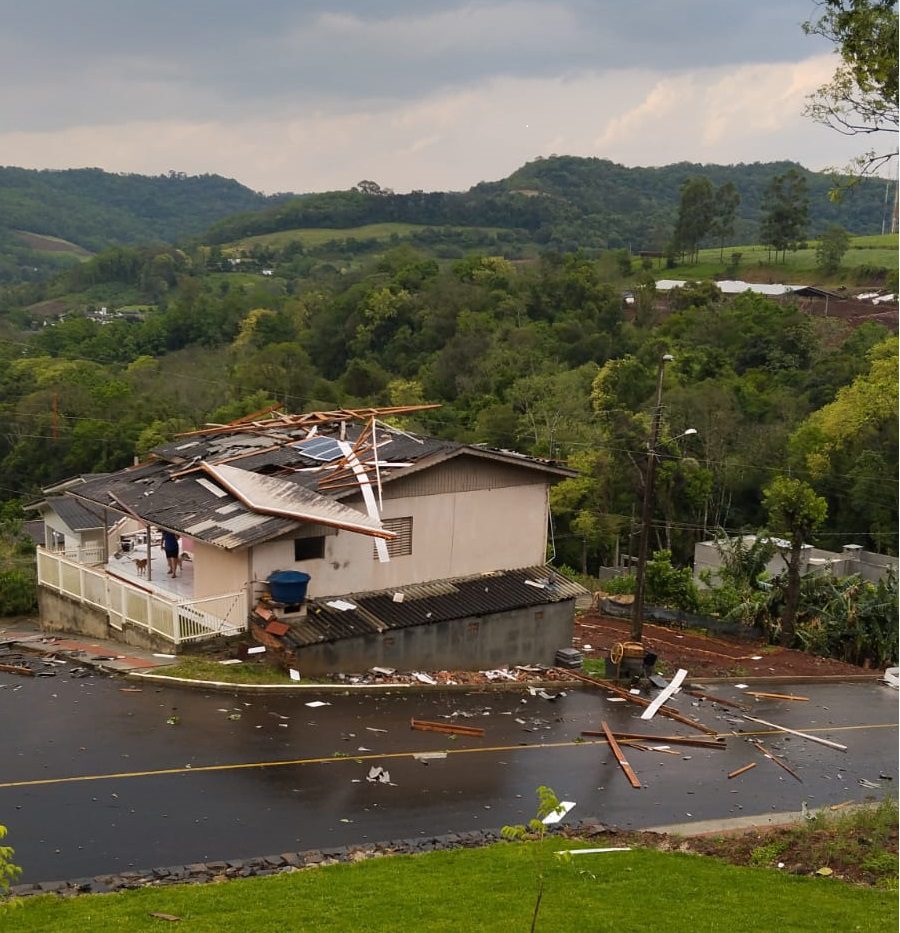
(705, 656)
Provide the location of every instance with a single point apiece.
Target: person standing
(170, 545)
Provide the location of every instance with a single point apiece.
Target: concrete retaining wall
(524, 636)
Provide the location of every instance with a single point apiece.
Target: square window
(309, 548)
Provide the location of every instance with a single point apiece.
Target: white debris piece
(892, 677)
(341, 604)
(429, 756)
(377, 775)
(295, 675)
(594, 851)
(384, 671)
(397, 597)
(424, 678)
(650, 711)
(231, 661)
(556, 815)
(317, 703)
(256, 649)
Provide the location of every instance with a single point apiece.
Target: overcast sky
(308, 95)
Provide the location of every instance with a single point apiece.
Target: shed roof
(425, 603)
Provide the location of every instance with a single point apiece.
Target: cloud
(451, 139)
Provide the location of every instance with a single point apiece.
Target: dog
(141, 564)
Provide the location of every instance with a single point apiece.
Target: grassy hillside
(859, 266)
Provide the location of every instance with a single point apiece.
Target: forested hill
(566, 203)
(92, 209)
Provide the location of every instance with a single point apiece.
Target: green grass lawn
(799, 267)
(249, 672)
(486, 889)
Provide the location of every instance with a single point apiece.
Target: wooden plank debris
(775, 696)
(424, 726)
(778, 761)
(802, 735)
(17, 669)
(700, 695)
(623, 763)
(672, 739)
(638, 701)
(735, 773)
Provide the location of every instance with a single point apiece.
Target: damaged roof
(77, 515)
(425, 603)
(253, 480)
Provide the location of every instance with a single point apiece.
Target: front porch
(162, 606)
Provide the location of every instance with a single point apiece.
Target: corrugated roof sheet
(424, 603)
(75, 514)
(172, 492)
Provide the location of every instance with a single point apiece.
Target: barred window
(400, 546)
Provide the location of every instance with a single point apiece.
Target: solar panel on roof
(320, 448)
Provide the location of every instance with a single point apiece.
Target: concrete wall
(454, 534)
(851, 560)
(530, 635)
(60, 614)
(218, 571)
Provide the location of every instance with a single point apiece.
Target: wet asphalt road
(148, 803)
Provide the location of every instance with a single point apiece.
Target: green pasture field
(757, 263)
(316, 236)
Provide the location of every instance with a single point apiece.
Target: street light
(637, 609)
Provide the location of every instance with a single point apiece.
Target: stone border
(260, 866)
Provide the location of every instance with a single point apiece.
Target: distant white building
(852, 559)
(736, 287)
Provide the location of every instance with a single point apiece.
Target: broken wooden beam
(673, 740)
(17, 669)
(802, 735)
(775, 696)
(623, 763)
(778, 761)
(424, 726)
(700, 695)
(638, 701)
(735, 773)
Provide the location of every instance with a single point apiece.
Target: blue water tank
(288, 586)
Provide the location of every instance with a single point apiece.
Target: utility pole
(637, 614)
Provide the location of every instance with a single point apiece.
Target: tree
(725, 205)
(833, 243)
(793, 509)
(695, 213)
(861, 97)
(785, 213)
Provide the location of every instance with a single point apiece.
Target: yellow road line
(245, 765)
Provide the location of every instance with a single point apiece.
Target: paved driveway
(93, 779)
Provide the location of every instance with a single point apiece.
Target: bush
(18, 592)
(670, 586)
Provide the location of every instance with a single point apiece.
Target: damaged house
(344, 542)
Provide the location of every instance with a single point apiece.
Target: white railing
(86, 554)
(176, 620)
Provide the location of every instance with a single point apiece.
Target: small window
(309, 548)
(401, 546)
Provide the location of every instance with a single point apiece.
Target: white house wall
(453, 534)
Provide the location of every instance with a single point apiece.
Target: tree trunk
(791, 596)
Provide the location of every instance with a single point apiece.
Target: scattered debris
(173, 720)
(382, 671)
(424, 726)
(774, 696)
(594, 851)
(863, 782)
(377, 775)
(170, 917)
(892, 677)
(256, 649)
(317, 703)
(17, 669)
(778, 761)
(294, 675)
(429, 756)
(623, 763)
(554, 816)
(802, 735)
(424, 678)
(700, 695)
(231, 661)
(735, 773)
(651, 710)
(341, 604)
(234, 716)
(157, 655)
(824, 872)
(673, 739)
(373, 729)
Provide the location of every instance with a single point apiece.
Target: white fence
(178, 621)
